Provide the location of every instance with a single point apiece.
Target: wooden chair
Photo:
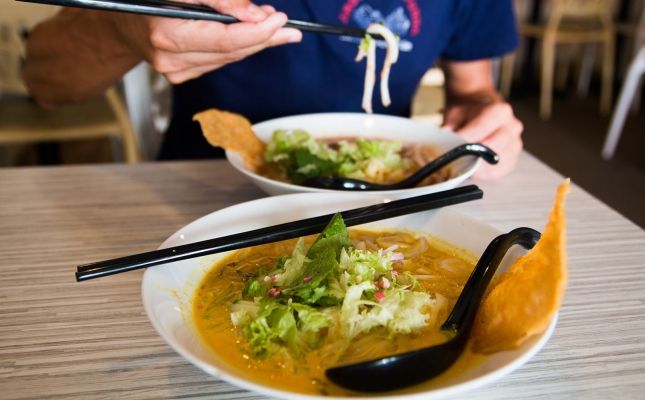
(570, 22)
(23, 122)
(428, 101)
(506, 66)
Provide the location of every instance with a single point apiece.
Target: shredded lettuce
(365, 43)
(243, 312)
(408, 310)
(274, 323)
(366, 159)
(363, 265)
(296, 326)
(311, 323)
(293, 266)
(331, 284)
(300, 156)
(256, 289)
(351, 319)
(400, 310)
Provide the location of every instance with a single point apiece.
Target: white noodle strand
(370, 74)
(391, 56)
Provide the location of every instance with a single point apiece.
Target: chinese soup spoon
(340, 183)
(405, 369)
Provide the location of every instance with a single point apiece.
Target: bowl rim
(241, 382)
(236, 160)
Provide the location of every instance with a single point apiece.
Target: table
(67, 340)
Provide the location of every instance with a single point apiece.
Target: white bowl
(367, 126)
(167, 290)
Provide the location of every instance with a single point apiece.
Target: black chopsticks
(277, 233)
(175, 9)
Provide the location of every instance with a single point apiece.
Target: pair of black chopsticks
(279, 232)
(175, 9)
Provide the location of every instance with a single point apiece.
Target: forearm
(470, 82)
(75, 56)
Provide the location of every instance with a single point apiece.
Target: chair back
(14, 96)
(12, 55)
(598, 11)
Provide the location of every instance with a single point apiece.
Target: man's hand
(492, 124)
(79, 53)
(183, 49)
(476, 112)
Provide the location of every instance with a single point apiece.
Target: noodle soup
(294, 155)
(436, 268)
(326, 126)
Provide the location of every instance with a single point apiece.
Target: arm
(79, 53)
(478, 113)
(73, 56)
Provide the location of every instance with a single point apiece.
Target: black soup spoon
(405, 369)
(339, 183)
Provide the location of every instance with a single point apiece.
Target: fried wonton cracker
(232, 132)
(527, 296)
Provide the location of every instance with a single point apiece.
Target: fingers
(493, 125)
(183, 50)
(508, 159)
(489, 120)
(454, 118)
(195, 36)
(284, 36)
(179, 68)
(268, 9)
(193, 65)
(238, 36)
(507, 142)
(509, 132)
(191, 73)
(243, 10)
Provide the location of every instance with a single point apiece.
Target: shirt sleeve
(482, 29)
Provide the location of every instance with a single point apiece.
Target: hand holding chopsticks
(180, 46)
(175, 9)
(277, 233)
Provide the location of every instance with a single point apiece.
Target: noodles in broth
(437, 270)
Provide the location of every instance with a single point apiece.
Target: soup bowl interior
(371, 126)
(167, 290)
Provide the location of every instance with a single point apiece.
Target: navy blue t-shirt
(320, 74)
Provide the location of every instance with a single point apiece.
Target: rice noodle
(367, 48)
(391, 56)
(424, 277)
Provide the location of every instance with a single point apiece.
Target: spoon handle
(474, 149)
(465, 309)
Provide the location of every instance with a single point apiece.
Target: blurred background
(575, 82)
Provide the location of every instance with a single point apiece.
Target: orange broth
(441, 270)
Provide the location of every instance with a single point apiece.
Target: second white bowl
(326, 125)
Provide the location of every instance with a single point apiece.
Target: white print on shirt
(397, 21)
